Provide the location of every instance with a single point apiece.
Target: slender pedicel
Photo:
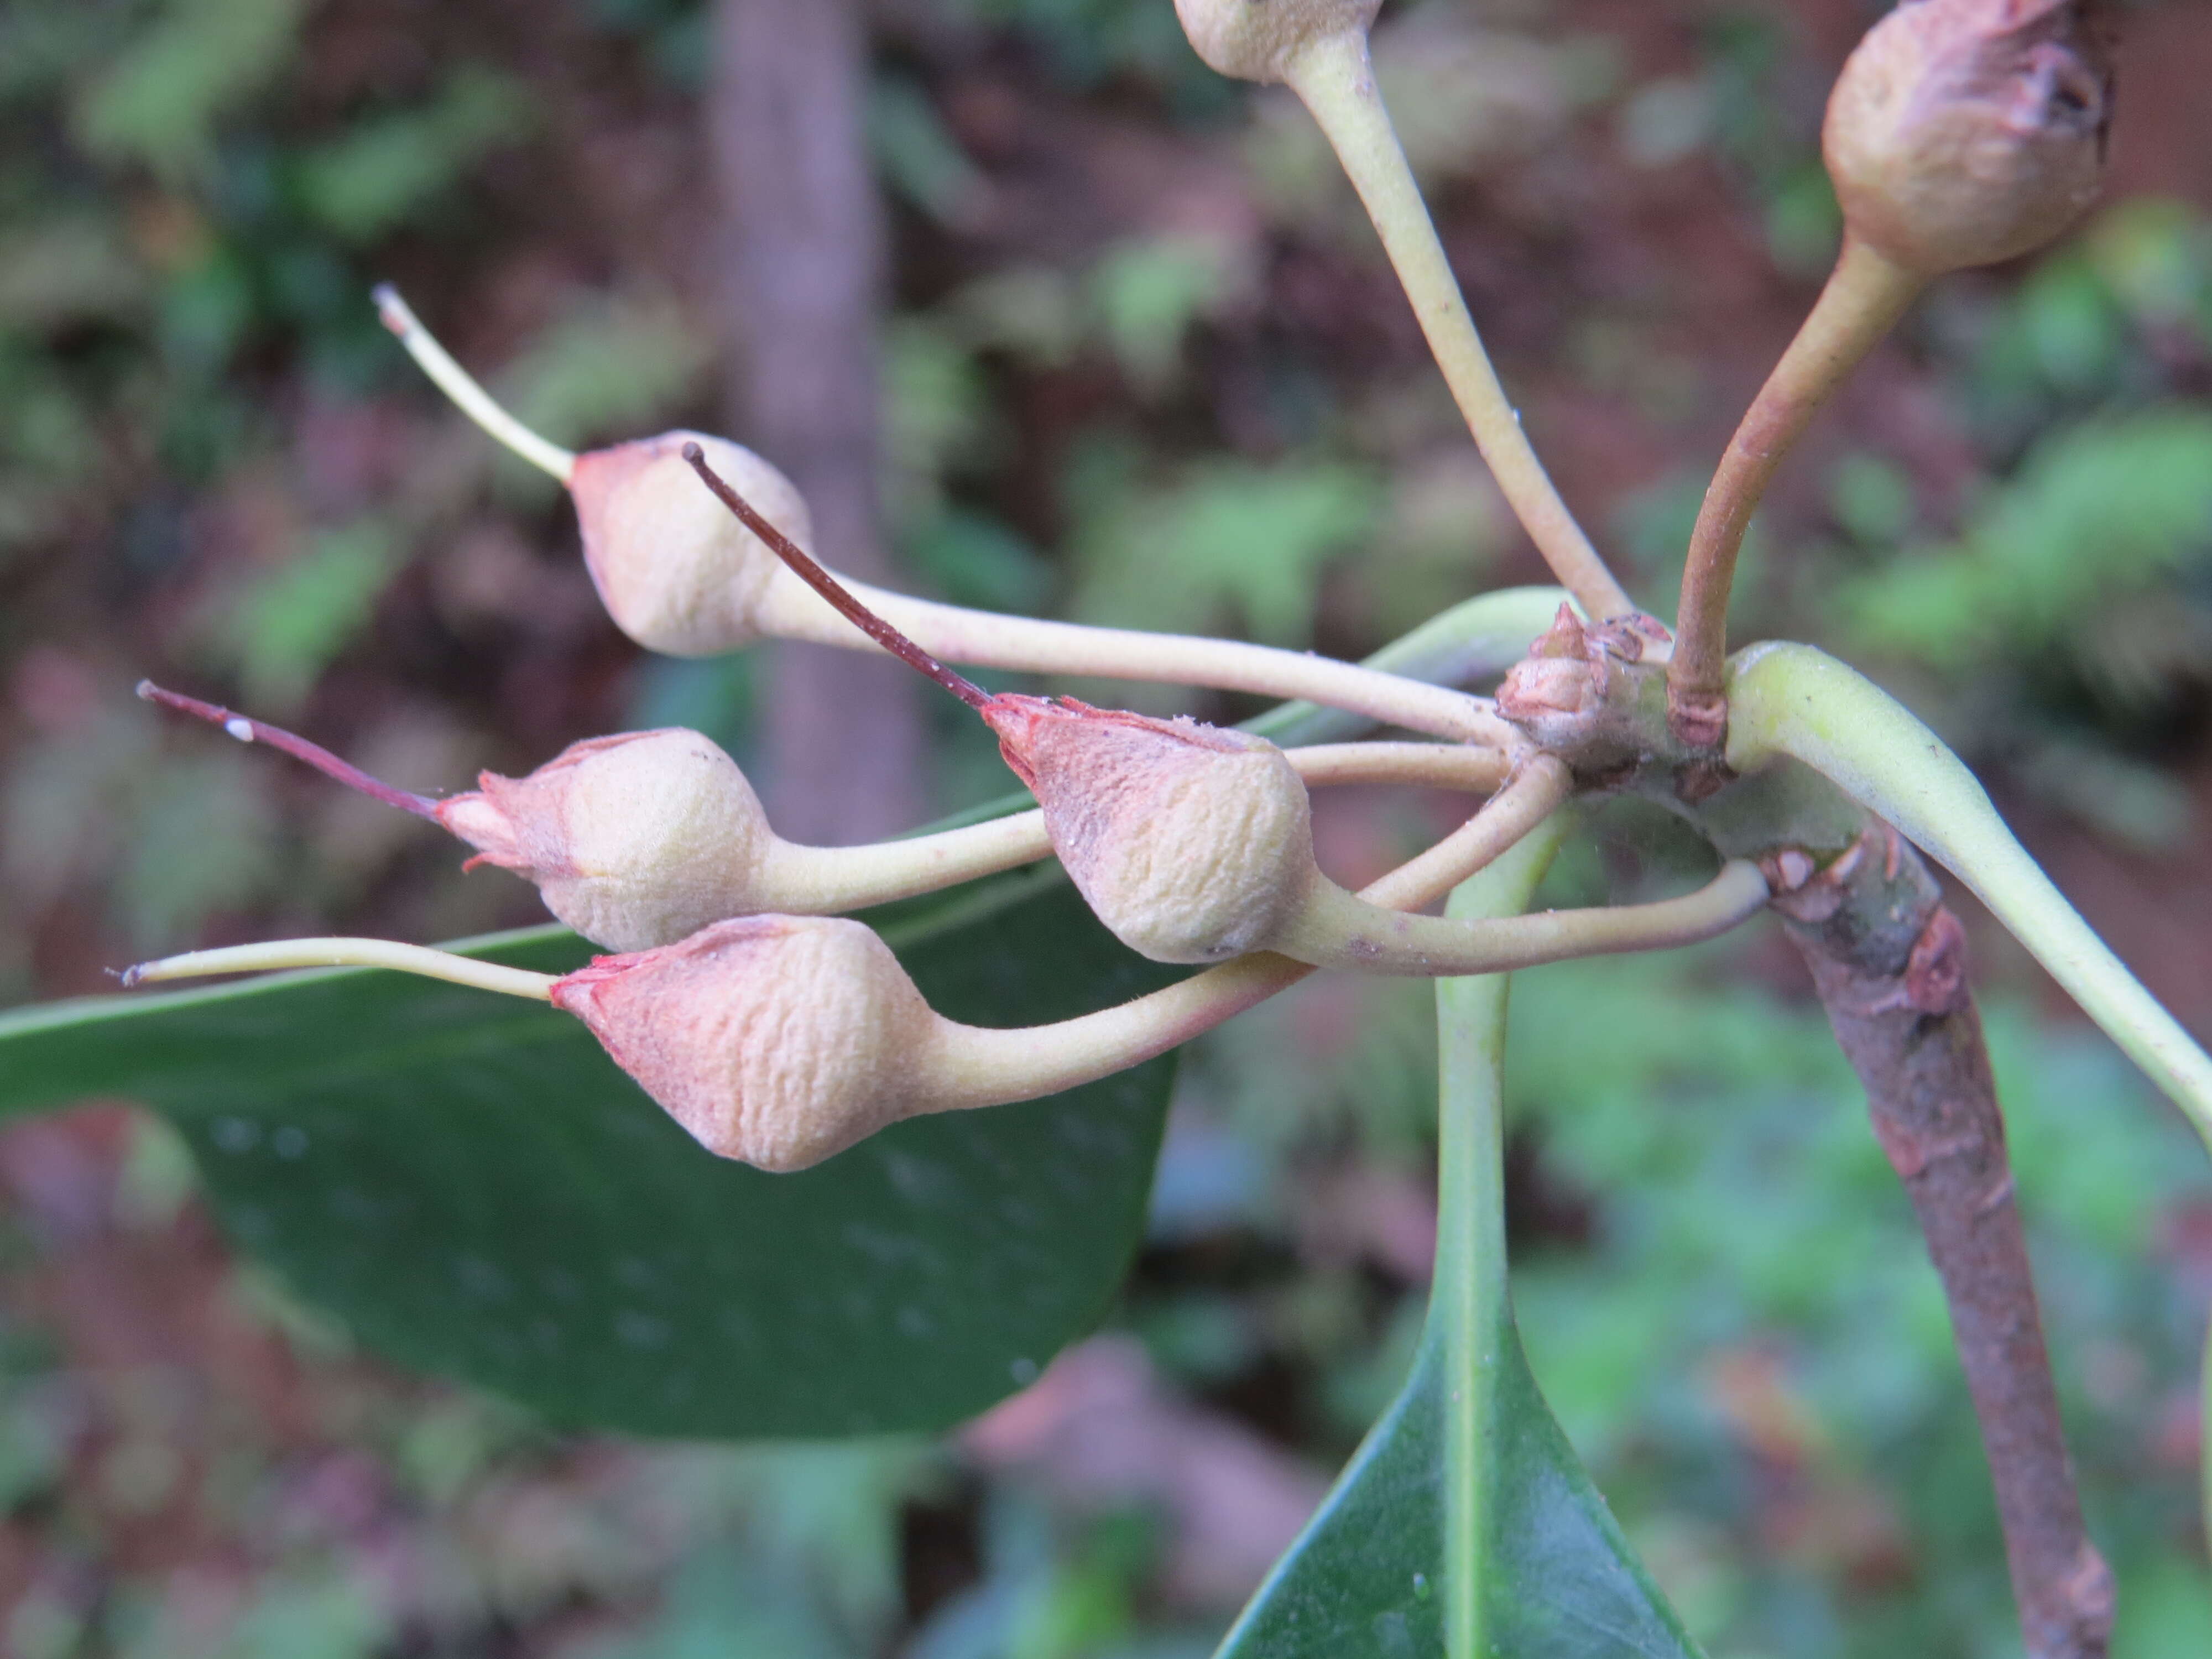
(1476, 640)
(643, 838)
(988, 639)
(275, 954)
(1349, 934)
(1332, 74)
(1960, 133)
(462, 388)
(1525, 803)
(679, 575)
(1866, 294)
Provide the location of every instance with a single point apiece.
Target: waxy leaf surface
(1555, 1575)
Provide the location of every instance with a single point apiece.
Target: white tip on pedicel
(240, 727)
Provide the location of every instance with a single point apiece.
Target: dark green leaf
(1465, 1525)
(475, 1189)
(1367, 1577)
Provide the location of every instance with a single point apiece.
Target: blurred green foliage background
(1144, 366)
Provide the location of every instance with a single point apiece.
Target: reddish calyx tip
(831, 589)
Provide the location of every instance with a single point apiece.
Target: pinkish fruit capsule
(1191, 843)
(675, 572)
(777, 1041)
(1965, 132)
(635, 840)
(1256, 40)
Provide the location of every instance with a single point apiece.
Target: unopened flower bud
(676, 576)
(633, 841)
(675, 572)
(1966, 132)
(639, 839)
(1191, 843)
(778, 1041)
(1256, 40)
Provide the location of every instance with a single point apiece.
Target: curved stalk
(804, 601)
(1478, 639)
(1867, 293)
(462, 387)
(1526, 801)
(985, 639)
(1335, 79)
(1339, 930)
(276, 954)
(1794, 700)
(1435, 765)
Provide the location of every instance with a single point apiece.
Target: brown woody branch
(803, 279)
(1890, 961)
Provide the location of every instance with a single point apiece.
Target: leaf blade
(471, 1186)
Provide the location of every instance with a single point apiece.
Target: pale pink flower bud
(1191, 843)
(1256, 40)
(675, 572)
(633, 841)
(778, 1041)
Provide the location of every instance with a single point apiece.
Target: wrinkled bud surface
(1256, 40)
(1964, 132)
(633, 841)
(677, 573)
(1190, 843)
(1586, 690)
(1563, 675)
(778, 1041)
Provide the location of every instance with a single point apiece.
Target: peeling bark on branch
(1889, 960)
